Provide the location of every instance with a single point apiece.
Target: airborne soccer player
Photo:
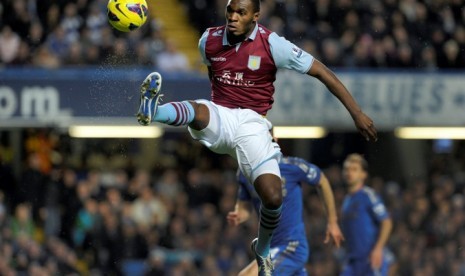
(242, 59)
(289, 245)
(365, 223)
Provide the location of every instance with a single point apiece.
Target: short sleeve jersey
(243, 74)
(362, 213)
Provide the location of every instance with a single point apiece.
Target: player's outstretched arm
(240, 214)
(363, 123)
(332, 231)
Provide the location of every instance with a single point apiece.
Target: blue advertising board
(35, 97)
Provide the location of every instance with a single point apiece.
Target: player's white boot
(149, 98)
(265, 265)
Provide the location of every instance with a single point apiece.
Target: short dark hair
(256, 5)
(358, 158)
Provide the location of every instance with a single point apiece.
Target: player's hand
(365, 126)
(376, 258)
(233, 218)
(333, 232)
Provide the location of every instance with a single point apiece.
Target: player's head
(241, 16)
(355, 169)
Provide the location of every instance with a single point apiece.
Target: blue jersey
(294, 171)
(362, 213)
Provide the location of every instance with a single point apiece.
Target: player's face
(353, 173)
(240, 18)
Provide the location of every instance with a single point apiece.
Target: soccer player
(289, 245)
(242, 59)
(365, 223)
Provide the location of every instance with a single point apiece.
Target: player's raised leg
(173, 113)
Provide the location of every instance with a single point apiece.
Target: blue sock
(175, 113)
(269, 220)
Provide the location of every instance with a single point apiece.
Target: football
(127, 15)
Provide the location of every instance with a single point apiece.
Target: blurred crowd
(55, 34)
(87, 217)
(342, 33)
(368, 34)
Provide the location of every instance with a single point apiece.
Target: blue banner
(390, 99)
(62, 97)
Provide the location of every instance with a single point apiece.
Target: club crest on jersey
(218, 33)
(254, 62)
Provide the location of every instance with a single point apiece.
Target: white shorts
(243, 134)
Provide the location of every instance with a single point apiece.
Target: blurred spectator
(92, 56)
(23, 58)
(405, 57)
(85, 224)
(120, 54)
(75, 55)
(9, 44)
(169, 186)
(71, 23)
(18, 17)
(22, 225)
(134, 245)
(148, 210)
(3, 209)
(171, 60)
(52, 18)
(155, 41)
(428, 59)
(143, 56)
(32, 184)
(95, 21)
(57, 42)
(331, 52)
(51, 212)
(452, 56)
(43, 58)
(7, 179)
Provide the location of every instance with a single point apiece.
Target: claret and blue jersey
(294, 172)
(243, 74)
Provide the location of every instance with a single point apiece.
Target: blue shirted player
(365, 223)
(289, 245)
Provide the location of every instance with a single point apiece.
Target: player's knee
(202, 116)
(268, 187)
(274, 200)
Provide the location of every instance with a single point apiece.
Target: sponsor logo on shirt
(234, 78)
(218, 59)
(254, 63)
(297, 51)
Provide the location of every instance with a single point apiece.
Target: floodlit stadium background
(150, 200)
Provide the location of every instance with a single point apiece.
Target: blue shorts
(362, 267)
(290, 259)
